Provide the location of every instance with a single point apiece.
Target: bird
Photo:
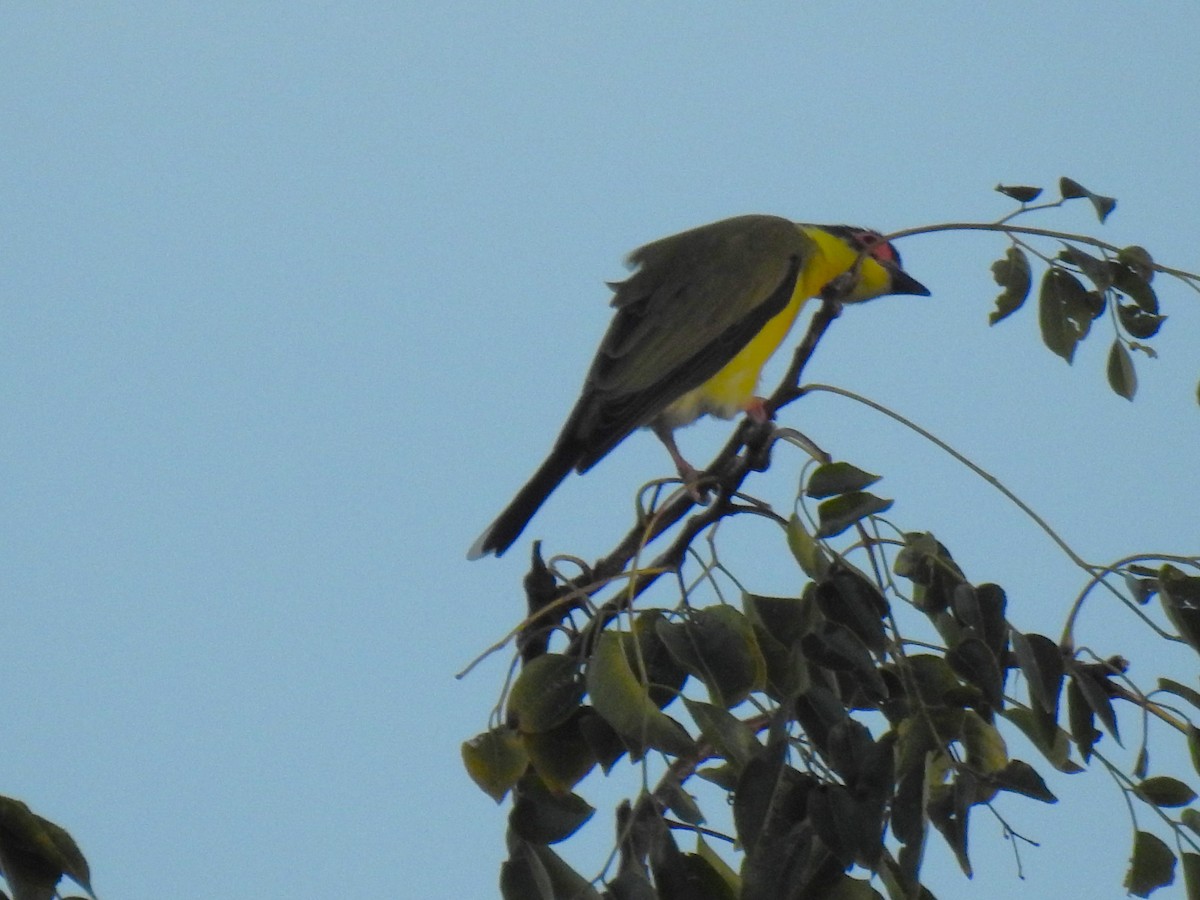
(697, 319)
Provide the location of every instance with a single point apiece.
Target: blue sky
(294, 297)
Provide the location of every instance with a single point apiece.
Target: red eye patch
(879, 249)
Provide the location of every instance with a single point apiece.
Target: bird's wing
(694, 301)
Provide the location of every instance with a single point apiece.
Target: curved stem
(978, 470)
(1098, 577)
(1002, 228)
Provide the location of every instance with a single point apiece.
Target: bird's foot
(694, 481)
(756, 410)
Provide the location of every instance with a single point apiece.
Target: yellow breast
(729, 392)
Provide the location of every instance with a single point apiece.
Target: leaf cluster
(840, 744)
(1078, 287)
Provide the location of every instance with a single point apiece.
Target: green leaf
(786, 619)
(808, 551)
(1134, 283)
(1065, 311)
(1070, 189)
(908, 806)
(565, 881)
(770, 797)
(918, 557)
(623, 700)
(632, 884)
(1121, 375)
(1180, 690)
(899, 875)
(606, 745)
(562, 757)
(73, 864)
(1096, 270)
(1180, 597)
(836, 819)
(1137, 322)
(718, 646)
(862, 762)
(1162, 790)
(546, 693)
(847, 888)
(1141, 588)
(779, 624)
(1103, 205)
(690, 875)
(1150, 352)
(847, 596)
(535, 872)
(1184, 589)
(1151, 867)
(666, 676)
(837, 647)
(542, 816)
(1193, 742)
(934, 679)
(1021, 778)
(718, 865)
(1022, 193)
(1191, 875)
(1042, 665)
(523, 877)
(1041, 729)
(679, 874)
(35, 853)
(1191, 818)
(973, 661)
(839, 513)
(1140, 325)
(1095, 691)
(1141, 763)
(723, 776)
(726, 733)
(949, 808)
(1012, 273)
(1139, 260)
(838, 478)
(1082, 719)
(986, 750)
(671, 792)
(928, 564)
(495, 760)
(981, 609)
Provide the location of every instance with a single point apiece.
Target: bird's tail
(508, 526)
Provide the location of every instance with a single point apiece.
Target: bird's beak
(903, 283)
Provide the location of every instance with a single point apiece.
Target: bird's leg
(687, 472)
(761, 420)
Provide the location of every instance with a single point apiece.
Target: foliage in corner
(35, 854)
(1080, 285)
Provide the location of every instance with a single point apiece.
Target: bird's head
(878, 261)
